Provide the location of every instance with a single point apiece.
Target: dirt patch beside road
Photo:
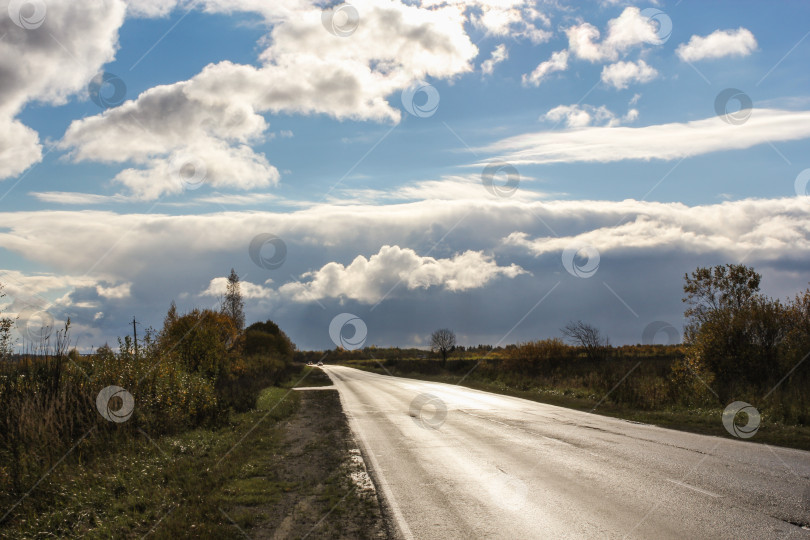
(327, 492)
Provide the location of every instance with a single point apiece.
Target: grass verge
(284, 468)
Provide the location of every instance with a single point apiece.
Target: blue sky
(299, 133)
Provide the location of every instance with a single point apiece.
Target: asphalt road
(472, 464)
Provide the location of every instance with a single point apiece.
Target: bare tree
(443, 341)
(588, 337)
(233, 306)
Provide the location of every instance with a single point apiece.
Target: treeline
(738, 344)
(192, 372)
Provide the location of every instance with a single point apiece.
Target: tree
(233, 305)
(709, 290)
(204, 341)
(734, 333)
(267, 339)
(443, 341)
(588, 337)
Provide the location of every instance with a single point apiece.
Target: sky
(379, 169)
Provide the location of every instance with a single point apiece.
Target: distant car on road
(320, 364)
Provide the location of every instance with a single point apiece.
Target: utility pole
(135, 335)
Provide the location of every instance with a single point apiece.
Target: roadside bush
(267, 339)
(204, 341)
(190, 375)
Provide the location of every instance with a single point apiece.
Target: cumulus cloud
(217, 114)
(19, 147)
(49, 64)
(663, 141)
(370, 280)
(557, 62)
(621, 74)
(515, 18)
(628, 30)
(503, 18)
(577, 116)
(718, 44)
(499, 54)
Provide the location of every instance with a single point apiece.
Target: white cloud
(621, 74)
(576, 116)
(250, 291)
(500, 19)
(72, 197)
(663, 141)
(718, 44)
(48, 65)
(211, 162)
(557, 62)
(151, 8)
(19, 147)
(646, 247)
(769, 229)
(119, 291)
(52, 292)
(237, 200)
(369, 280)
(449, 188)
(499, 54)
(217, 115)
(503, 18)
(628, 30)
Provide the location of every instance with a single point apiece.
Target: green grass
(311, 376)
(250, 475)
(177, 485)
